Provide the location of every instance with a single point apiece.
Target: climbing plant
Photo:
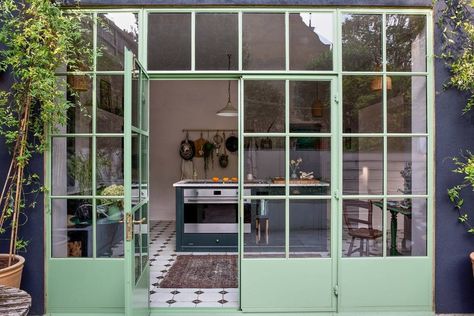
(457, 29)
(37, 39)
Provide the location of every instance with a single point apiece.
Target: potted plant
(457, 28)
(114, 206)
(37, 38)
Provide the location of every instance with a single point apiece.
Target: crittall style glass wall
(336, 110)
(87, 154)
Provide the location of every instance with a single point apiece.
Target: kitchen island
(207, 211)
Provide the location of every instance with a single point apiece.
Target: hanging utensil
(224, 158)
(199, 143)
(187, 148)
(217, 142)
(231, 143)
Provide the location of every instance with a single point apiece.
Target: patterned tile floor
(163, 256)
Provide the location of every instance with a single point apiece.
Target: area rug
(204, 272)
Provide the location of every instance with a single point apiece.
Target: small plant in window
(295, 167)
(114, 205)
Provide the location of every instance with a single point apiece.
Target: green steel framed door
(288, 193)
(136, 187)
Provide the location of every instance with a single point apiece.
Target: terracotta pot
(11, 276)
(472, 262)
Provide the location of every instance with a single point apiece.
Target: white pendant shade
(228, 110)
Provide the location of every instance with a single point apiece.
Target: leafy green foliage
(457, 29)
(38, 38)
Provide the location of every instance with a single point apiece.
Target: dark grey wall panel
(385, 3)
(454, 285)
(32, 230)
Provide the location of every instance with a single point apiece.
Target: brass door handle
(143, 220)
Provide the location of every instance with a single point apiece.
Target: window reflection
(361, 42)
(311, 41)
(79, 94)
(263, 41)
(109, 164)
(115, 32)
(110, 100)
(406, 42)
(406, 105)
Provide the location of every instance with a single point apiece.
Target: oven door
(213, 218)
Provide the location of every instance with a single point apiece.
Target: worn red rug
(202, 271)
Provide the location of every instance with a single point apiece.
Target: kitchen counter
(256, 184)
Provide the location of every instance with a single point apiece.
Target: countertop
(259, 183)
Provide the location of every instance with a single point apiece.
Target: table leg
(393, 234)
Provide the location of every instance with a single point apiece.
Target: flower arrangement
(294, 167)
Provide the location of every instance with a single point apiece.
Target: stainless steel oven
(214, 210)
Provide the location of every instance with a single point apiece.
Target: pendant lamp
(229, 109)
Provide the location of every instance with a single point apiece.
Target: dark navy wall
(454, 285)
(32, 230)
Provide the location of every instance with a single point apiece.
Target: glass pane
(406, 165)
(144, 105)
(264, 106)
(310, 228)
(311, 41)
(71, 166)
(406, 104)
(216, 38)
(110, 227)
(362, 224)
(406, 42)
(79, 94)
(310, 106)
(266, 238)
(85, 63)
(362, 104)
(363, 165)
(115, 31)
(310, 166)
(263, 42)
(135, 169)
(406, 234)
(144, 237)
(71, 226)
(169, 41)
(137, 239)
(136, 97)
(110, 164)
(264, 165)
(361, 42)
(109, 104)
(144, 168)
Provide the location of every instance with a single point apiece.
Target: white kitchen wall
(176, 105)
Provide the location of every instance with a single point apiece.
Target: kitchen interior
(194, 184)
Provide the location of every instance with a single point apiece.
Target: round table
(14, 301)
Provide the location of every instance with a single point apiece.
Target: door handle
(143, 220)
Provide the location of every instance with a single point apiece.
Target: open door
(288, 180)
(136, 187)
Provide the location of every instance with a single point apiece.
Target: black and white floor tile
(163, 256)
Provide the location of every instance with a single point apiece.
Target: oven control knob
(217, 241)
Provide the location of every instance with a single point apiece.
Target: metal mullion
(71, 197)
(193, 41)
(355, 135)
(94, 139)
(240, 162)
(287, 41)
(339, 144)
(240, 35)
(407, 196)
(311, 135)
(94, 42)
(399, 135)
(264, 134)
(430, 88)
(385, 128)
(142, 37)
(70, 135)
(287, 168)
(238, 10)
(310, 197)
(262, 197)
(110, 73)
(362, 197)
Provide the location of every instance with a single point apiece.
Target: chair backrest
(353, 222)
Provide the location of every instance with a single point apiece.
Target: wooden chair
(358, 227)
